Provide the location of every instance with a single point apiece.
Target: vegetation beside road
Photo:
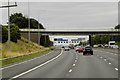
(23, 58)
(20, 48)
(104, 39)
(19, 21)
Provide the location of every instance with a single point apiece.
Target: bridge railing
(32, 29)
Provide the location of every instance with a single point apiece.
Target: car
(115, 47)
(66, 48)
(81, 49)
(88, 50)
(100, 45)
(106, 46)
(95, 46)
(77, 48)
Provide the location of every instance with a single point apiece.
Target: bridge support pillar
(91, 40)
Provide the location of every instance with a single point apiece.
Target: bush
(4, 34)
(14, 33)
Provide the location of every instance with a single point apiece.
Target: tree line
(18, 21)
(104, 39)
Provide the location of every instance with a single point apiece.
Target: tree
(22, 22)
(97, 39)
(4, 34)
(117, 27)
(14, 33)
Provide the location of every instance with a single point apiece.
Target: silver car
(66, 48)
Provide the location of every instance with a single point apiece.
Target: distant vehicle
(81, 49)
(106, 45)
(100, 45)
(95, 46)
(77, 48)
(115, 47)
(88, 50)
(71, 46)
(111, 44)
(66, 48)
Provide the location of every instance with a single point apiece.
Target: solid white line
(116, 69)
(37, 67)
(109, 63)
(23, 62)
(73, 64)
(70, 70)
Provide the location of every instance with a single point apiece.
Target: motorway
(66, 64)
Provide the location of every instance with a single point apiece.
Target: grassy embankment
(21, 48)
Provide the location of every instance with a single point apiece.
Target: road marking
(110, 53)
(37, 66)
(70, 70)
(104, 59)
(73, 64)
(23, 62)
(109, 63)
(115, 54)
(100, 57)
(116, 69)
(75, 61)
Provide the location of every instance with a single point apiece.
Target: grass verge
(23, 58)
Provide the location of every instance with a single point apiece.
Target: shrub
(4, 34)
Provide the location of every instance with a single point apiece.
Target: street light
(8, 6)
(38, 33)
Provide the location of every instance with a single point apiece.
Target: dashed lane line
(73, 64)
(109, 63)
(116, 69)
(70, 70)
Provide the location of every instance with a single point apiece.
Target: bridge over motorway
(71, 32)
(90, 33)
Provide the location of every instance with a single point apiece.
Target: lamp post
(8, 6)
(38, 31)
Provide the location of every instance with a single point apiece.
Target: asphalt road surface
(66, 64)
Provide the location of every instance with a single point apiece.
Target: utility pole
(38, 34)
(29, 24)
(8, 6)
(38, 31)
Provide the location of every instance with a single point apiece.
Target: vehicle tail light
(84, 50)
(91, 49)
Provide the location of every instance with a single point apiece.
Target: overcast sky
(69, 15)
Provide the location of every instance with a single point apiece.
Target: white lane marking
(110, 53)
(37, 67)
(109, 63)
(24, 62)
(73, 64)
(75, 61)
(70, 70)
(100, 57)
(116, 69)
(104, 59)
(115, 54)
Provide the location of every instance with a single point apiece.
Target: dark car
(88, 50)
(62, 46)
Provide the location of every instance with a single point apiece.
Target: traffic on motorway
(85, 50)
